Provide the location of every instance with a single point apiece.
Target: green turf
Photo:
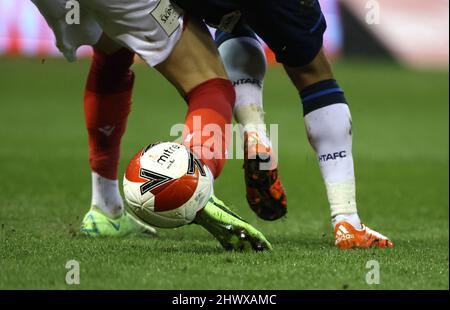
(400, 122)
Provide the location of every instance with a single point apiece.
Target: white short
(150, 28)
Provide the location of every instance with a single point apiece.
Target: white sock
(351, 218)
(106, 195)
(245, 63)
(330, 134)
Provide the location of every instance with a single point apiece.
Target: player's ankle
(351, 218)
(112, 213)
(106, 196)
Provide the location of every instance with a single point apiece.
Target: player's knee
(242, 54)
(120, 60)
(111, 72)
(239, 31)
(243, 58)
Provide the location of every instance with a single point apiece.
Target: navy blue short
(293, 29)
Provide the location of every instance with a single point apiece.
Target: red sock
(107, 103)
(210, 109)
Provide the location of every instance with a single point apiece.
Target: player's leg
(107, 103)
(153, 36)
(329, 128)
(245, 63)
(185, 54)
(294, 30)
(195, 69)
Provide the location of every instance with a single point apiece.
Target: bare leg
(318, 70)
(194, 60)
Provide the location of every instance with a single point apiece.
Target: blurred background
(413, 32)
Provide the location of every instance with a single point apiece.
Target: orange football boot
(265, 193)
(348, 237)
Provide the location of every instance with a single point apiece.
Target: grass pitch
(400, 120)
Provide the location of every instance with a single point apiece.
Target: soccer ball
(165, 185)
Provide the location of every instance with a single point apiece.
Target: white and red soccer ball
(165, 185)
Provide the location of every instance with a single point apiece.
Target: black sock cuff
(321, 94)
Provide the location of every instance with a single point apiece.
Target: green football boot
(97, 224)
(229, 229)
